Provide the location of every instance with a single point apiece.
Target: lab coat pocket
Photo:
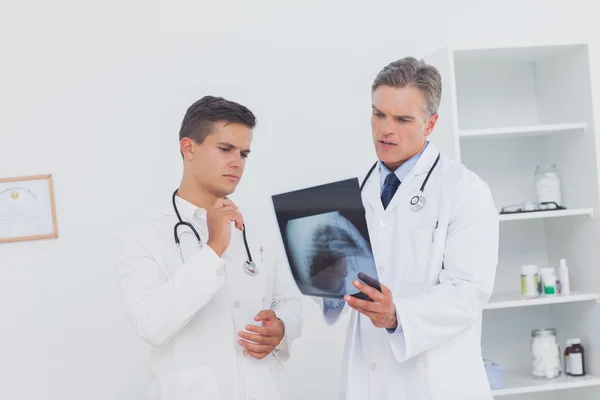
(282, 389)
(264, 285)
(193, 384)
(421, 246)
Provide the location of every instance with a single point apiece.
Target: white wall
(111, 81)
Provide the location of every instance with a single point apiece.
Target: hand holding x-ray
(379, 307)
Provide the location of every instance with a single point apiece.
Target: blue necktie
(389, 188)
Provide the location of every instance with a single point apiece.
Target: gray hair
(409, 71)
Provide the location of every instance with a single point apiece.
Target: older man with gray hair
(434, 231)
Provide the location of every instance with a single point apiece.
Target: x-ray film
(326, 240)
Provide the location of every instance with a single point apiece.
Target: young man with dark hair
(218, 306)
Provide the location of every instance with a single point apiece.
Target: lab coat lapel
(372, 190)
(411, 184)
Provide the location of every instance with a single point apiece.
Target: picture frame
(27, 208)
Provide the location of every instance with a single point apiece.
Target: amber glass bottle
(577, 358)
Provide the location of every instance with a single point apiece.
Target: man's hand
(219, 220)
(381, 311)
(264, 338)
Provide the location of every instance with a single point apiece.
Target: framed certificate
(27, 209)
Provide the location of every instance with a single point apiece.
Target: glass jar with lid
(545, 353)
(547, 184)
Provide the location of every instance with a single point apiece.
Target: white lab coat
(190, 313)
(436, 355)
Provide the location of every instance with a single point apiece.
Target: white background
(94, 92)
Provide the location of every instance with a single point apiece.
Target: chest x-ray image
(326, 239)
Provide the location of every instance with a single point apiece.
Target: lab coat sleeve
(429, 318)
(288, 308)
(332, 309)
(159, 307)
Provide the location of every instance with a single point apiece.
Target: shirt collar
(403, 170)
(190, 212)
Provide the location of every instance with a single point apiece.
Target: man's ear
(430, 124)
(188, 148)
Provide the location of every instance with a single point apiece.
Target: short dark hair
(409, 71)
(199, 119)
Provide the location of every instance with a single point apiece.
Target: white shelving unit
(547, 214)
(504, 111)
(519, 381)
(524, 131)
(513, 300)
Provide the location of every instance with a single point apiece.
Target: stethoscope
(418, 201)
(249, 265)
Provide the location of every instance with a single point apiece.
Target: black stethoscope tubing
(249, 265)
(420, 197)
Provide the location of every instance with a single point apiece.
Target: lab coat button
(236, 304)
(245, 352)
(373, 367)
(383, 222)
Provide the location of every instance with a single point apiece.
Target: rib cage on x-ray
(325, 232)
(317, 241)
(331, 241)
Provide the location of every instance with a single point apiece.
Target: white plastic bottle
(565, 287)
(530, 281)
(548, 275)
(550, 288)
(548, 186)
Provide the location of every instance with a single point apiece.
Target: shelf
(515, 54)
(523, 131)
(547, 214)
(513, 300)
(520, 381)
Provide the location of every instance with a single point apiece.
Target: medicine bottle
(549, 281)
(577, 358)
(530, 281)
(548, 184)
(567, 366)
(565, 285)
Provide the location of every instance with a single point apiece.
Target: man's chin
(225, 191)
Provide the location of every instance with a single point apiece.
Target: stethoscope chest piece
(251, 267)
(417, 202)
